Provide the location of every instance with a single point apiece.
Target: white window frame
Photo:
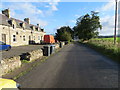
(24, 39)
(14, 38)
(38, 37)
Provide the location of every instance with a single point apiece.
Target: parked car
(4, 46)
(8, 84)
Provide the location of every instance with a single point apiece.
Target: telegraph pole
(115, 22)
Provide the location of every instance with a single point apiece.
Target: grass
(106, 47)
(109, 39)
(25, 61)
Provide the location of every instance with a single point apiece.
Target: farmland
(106, 46)
(108, 39)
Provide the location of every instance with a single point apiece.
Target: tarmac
(74, 66)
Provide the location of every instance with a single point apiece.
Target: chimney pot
(38, 25)
(6, 12)
(27, 20)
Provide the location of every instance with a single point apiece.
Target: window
(38, 37)
(29, 37)
(14, 38)
(23, 38)
(13, 26)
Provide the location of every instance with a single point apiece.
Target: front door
(4, 38)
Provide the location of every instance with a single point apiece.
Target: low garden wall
(9, 64)
(30, 56)
(57, 46)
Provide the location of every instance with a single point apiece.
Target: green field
(109, 39)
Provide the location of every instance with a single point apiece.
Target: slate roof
(4, 20)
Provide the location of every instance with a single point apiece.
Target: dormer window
(33, 28)
(37, 29)
(22, 25)
(13, 26)
(13, 23)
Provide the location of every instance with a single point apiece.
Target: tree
(65, 33)
(87, 26)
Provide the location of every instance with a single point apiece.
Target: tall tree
(87, 26)
(65, 33)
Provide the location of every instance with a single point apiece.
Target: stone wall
(63, 43)
(36, 54)
(30, 56)
(9, 64)
(57, 46)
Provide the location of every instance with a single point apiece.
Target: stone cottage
(16, 32)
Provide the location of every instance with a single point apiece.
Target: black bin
(46, 50)
(52, 49)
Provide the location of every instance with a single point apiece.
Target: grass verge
(113, 53)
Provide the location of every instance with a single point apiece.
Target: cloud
(109, 6)
(54, 8)
(72, 21)
(77, 16)
(37, 11)
(21, 10)
(107, 19)
(53, 5)
(39, 21)
(108, 25)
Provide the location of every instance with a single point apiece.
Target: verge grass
(106, 47)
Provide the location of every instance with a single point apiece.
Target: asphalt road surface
(74, 66)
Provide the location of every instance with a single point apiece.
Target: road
(16, 51)
(74, 66)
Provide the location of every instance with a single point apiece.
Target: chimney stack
(6, 12)
(27, 20)
(38, 25)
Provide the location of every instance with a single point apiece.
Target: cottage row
(16, 32)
